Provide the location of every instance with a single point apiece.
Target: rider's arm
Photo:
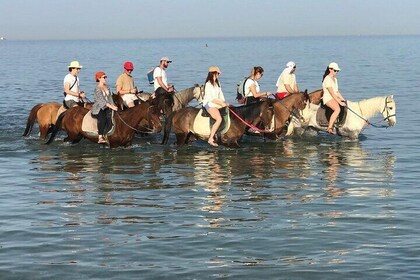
(68, 91)
(253, 89)
(289, 88)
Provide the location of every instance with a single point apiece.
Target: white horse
(358, 115)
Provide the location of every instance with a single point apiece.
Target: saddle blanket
(202, 125)
(90, 125)
(60, 110)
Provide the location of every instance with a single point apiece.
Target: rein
(290, 111)
(367, 121)
(135, 129)
(248, 124)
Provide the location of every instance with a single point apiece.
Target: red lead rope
(248, 124)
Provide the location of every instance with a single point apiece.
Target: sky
(138, 19)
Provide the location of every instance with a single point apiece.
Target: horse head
(389, 111)
(198, 92)
(302, 101)
(267, 114)
(153, 118)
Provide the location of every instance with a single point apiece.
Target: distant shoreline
(219, 38)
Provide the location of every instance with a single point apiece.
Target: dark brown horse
(46, 115)
(286, 107)
(127, 123)
(183, 123)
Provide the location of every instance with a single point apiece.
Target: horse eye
(390, 108)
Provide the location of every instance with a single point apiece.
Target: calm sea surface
(311, 208)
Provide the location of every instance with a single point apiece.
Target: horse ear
(306, 91)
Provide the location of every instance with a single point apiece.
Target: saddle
(90, 125)
(203, 122)
(324, 113)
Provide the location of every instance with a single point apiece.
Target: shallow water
(311, 208)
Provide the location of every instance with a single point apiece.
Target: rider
(332, 96)
(72, 94)
(213, 100)
(286, 83)
(160, 82)
(252, 88)
(125, 85)
(102, 106)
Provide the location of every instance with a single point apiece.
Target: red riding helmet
(128, 65)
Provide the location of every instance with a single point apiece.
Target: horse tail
(168, 128)
(56, 128)
(31, 119)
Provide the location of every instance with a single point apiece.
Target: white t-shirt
(158, 72)
(248, 84)
(69, 79)
(329, 83)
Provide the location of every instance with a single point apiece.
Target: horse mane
(371, 106)
(250, 110)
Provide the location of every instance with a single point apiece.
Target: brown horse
(127, 123)
(46, 115)
(284, 108)
(316, 96)
(183, 123)
(295, 127)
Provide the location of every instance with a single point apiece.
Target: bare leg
(336, 108)
(215, 114)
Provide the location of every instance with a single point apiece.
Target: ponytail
(327, 72)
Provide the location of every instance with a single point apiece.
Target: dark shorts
(70, 103)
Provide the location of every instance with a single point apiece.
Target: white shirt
(248, 85)
(69, 79)
(212, 92)
(158, 72)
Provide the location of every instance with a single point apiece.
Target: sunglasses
(129, 70)
(336, 71)
(105, 77)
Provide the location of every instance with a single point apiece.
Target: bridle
(388, 116)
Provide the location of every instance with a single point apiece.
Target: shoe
(101, 140)
(214, 144)
(251, 130)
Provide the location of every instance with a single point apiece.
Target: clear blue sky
(133, 19)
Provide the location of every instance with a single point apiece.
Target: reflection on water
(174, 193)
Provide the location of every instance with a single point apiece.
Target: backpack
(240, 91)
(150, 77)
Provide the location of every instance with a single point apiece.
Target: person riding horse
(163, 96)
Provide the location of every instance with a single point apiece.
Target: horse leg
(181, 138)
(43, 131)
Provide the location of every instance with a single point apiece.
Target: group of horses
(292, 115)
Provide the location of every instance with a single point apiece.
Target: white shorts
(129, 97)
